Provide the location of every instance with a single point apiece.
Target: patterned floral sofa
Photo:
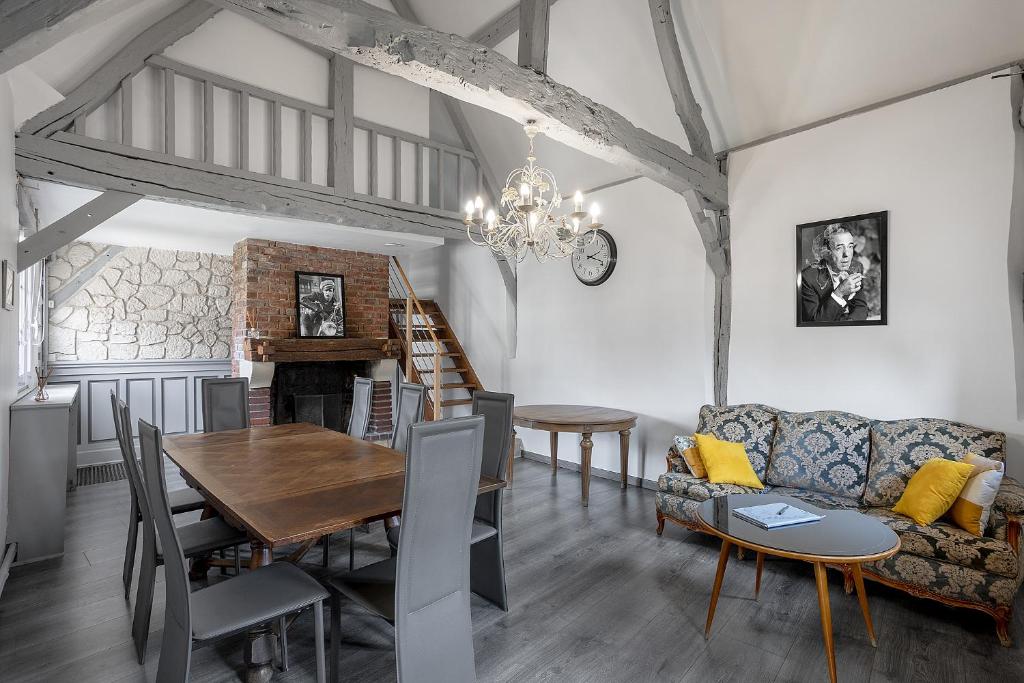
(840, 460)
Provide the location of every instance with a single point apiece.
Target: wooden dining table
(290, 485)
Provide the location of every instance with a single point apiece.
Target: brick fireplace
(263, 278)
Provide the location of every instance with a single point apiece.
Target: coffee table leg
(826, 618)
(586, 449)
(723, 560)
(554, 453)
(757, 578)
(862, 596)
(623, 455)
(259, 644)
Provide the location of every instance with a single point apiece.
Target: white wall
(942, 165)
(8, 319)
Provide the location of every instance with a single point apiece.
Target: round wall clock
(594, 262)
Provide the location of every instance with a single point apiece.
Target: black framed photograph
(320, 300)
(841, 267)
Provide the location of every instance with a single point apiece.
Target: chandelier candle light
(526, 220)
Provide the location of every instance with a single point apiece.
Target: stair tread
(456, 402)
(442, 353)
(460, 385)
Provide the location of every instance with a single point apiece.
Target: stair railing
(413, 306)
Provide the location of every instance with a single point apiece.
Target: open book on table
(775, 515)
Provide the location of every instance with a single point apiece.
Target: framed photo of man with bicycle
(320, 303)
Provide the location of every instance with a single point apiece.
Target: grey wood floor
(596, 596)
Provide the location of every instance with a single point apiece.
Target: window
(31, 308)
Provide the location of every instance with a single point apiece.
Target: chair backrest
(130, 468)
(433, 631)
(176, 648)
(225, 403)
(411, 400)
(362, 399)
(497, 411)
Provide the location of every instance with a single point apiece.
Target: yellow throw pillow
(971, 510)
(726, 462)
(933, 489)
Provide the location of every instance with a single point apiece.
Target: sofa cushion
(824, 451)
(949, 543)
(900, 447)
(945, 579)
(689, 486)
(750, 423)
(828, 501)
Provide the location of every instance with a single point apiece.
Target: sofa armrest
(675, 461)
(1010, 498)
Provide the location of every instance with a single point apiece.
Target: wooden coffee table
(583, 420)
(844, 537)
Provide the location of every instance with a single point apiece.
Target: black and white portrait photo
(320, 298)
(841, 271)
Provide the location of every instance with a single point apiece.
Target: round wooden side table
(583, 420)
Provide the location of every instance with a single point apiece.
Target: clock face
(593, 263)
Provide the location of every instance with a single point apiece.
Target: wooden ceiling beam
(534, 24)
(180, 181)
(687, 109)
(499, 28)
(131, 59)
(473, 73)
(28, 29)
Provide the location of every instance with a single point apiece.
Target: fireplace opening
(318, 392)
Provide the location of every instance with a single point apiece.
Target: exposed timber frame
(85, 275)
(476, 74)
(29, 28)
(131, 59)
(38, 246)
(534, 23)
(712, 221)
(80, 161)
(489, 179)
(499, 28)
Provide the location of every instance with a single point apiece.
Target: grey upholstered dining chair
(225, 403)
(196, 539)
(411, 400)
(424, 591)
(181, 500)
(362, 400)
(358, 425)
(226, 608)
(487, 561)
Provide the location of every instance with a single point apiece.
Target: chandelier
(527, 217)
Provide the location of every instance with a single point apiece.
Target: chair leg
(238, 560)
(144, 603)
(326, 542)
(335, 637)
(487, 571)
(222, 554)
(129, 551)
(351, 549)
(282, 639)
(318, 619)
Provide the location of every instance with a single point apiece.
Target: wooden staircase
(431, 353)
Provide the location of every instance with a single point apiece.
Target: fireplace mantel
(293, 350)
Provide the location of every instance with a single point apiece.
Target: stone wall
(144, 304)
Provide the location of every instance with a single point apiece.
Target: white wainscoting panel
(167, 393)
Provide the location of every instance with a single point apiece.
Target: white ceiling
(162, 225)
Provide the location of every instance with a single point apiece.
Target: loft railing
(439, 177)
(422, 347)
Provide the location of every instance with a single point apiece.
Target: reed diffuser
(42, 377)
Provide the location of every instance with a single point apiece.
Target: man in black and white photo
(321, 311)
(832, 289)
